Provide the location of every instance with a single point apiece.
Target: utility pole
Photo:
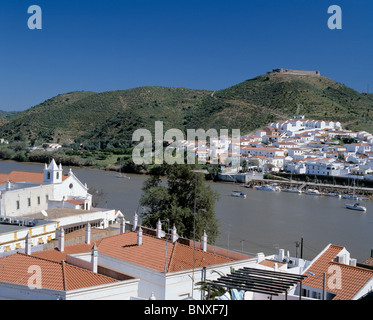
(301, 248)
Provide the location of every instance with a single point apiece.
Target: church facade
(27, 193)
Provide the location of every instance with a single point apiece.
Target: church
(25, 193)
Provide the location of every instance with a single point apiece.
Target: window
(58, 175)
(71, 186)
(49, 175)
(46, 198)
(17, 204)
(38, 200)
(29, 202)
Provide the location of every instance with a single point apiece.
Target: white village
(55, 245)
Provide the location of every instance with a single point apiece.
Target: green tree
(175, 198)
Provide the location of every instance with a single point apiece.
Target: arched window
(58, 175)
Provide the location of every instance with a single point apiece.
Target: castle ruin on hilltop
(295, 72)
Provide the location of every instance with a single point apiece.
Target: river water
(263, 222)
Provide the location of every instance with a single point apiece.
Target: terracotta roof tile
(24, 176)
(57, 276)
(352, 278)
(151, 254)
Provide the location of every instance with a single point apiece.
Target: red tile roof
(24, 176)
(353, 279)
(57, 276)
(151, 254)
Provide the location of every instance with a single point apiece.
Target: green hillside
(113, 116)
(7, 114)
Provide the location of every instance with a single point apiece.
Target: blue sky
(114, 45)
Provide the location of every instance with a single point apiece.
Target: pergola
(268, 282)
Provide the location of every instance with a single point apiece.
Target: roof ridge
(206, 252)
(35, 257)
(172, 255)
(352, 267)
(63, 275)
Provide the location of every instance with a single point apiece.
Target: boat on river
(333, 194)
(269, 187)
(238, 194)
(292, 190)
(313, 192)
(356, 206)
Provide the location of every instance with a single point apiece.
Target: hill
(7, 114)
(112, 116)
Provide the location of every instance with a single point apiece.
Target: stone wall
(296, 72)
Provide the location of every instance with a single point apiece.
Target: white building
(326, 168)
(163, 264)
(25, 193)
(343, 279)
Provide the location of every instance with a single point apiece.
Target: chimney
(139, 237)
(122, 225)
(260, 257)
(204, 241)
(281, 255)
(88, 233)
(61, 239)
(159, 229)
(28, 244)
(94, 258)
(174, 235)
(152, 297)
(135, 219)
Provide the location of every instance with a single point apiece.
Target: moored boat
(292, 190)
(269, 187)
(332, 194)
(313, 192)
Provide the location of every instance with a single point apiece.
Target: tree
(174, 199)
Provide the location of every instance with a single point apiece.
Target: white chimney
(94, 258)
(204, 241)
(28, 244)
(88, 233)
(61, 239)
(122, 225)
(135, 220)
(174, 235)
(275, 267)
(260, 257)
(281, 255)
(152, 297)
(159, 229)
(353, 262)
(139, 237)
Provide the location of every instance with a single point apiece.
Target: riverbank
(322, 188)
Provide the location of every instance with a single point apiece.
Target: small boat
(351, 197)
(238, 194)
(292, 190)
(121, 175)
(269, 187)
(356, 206)
(313, 192)
(332, 194)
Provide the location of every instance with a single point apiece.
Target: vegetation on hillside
(96, 121)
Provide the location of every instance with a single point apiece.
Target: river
(263, 222)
